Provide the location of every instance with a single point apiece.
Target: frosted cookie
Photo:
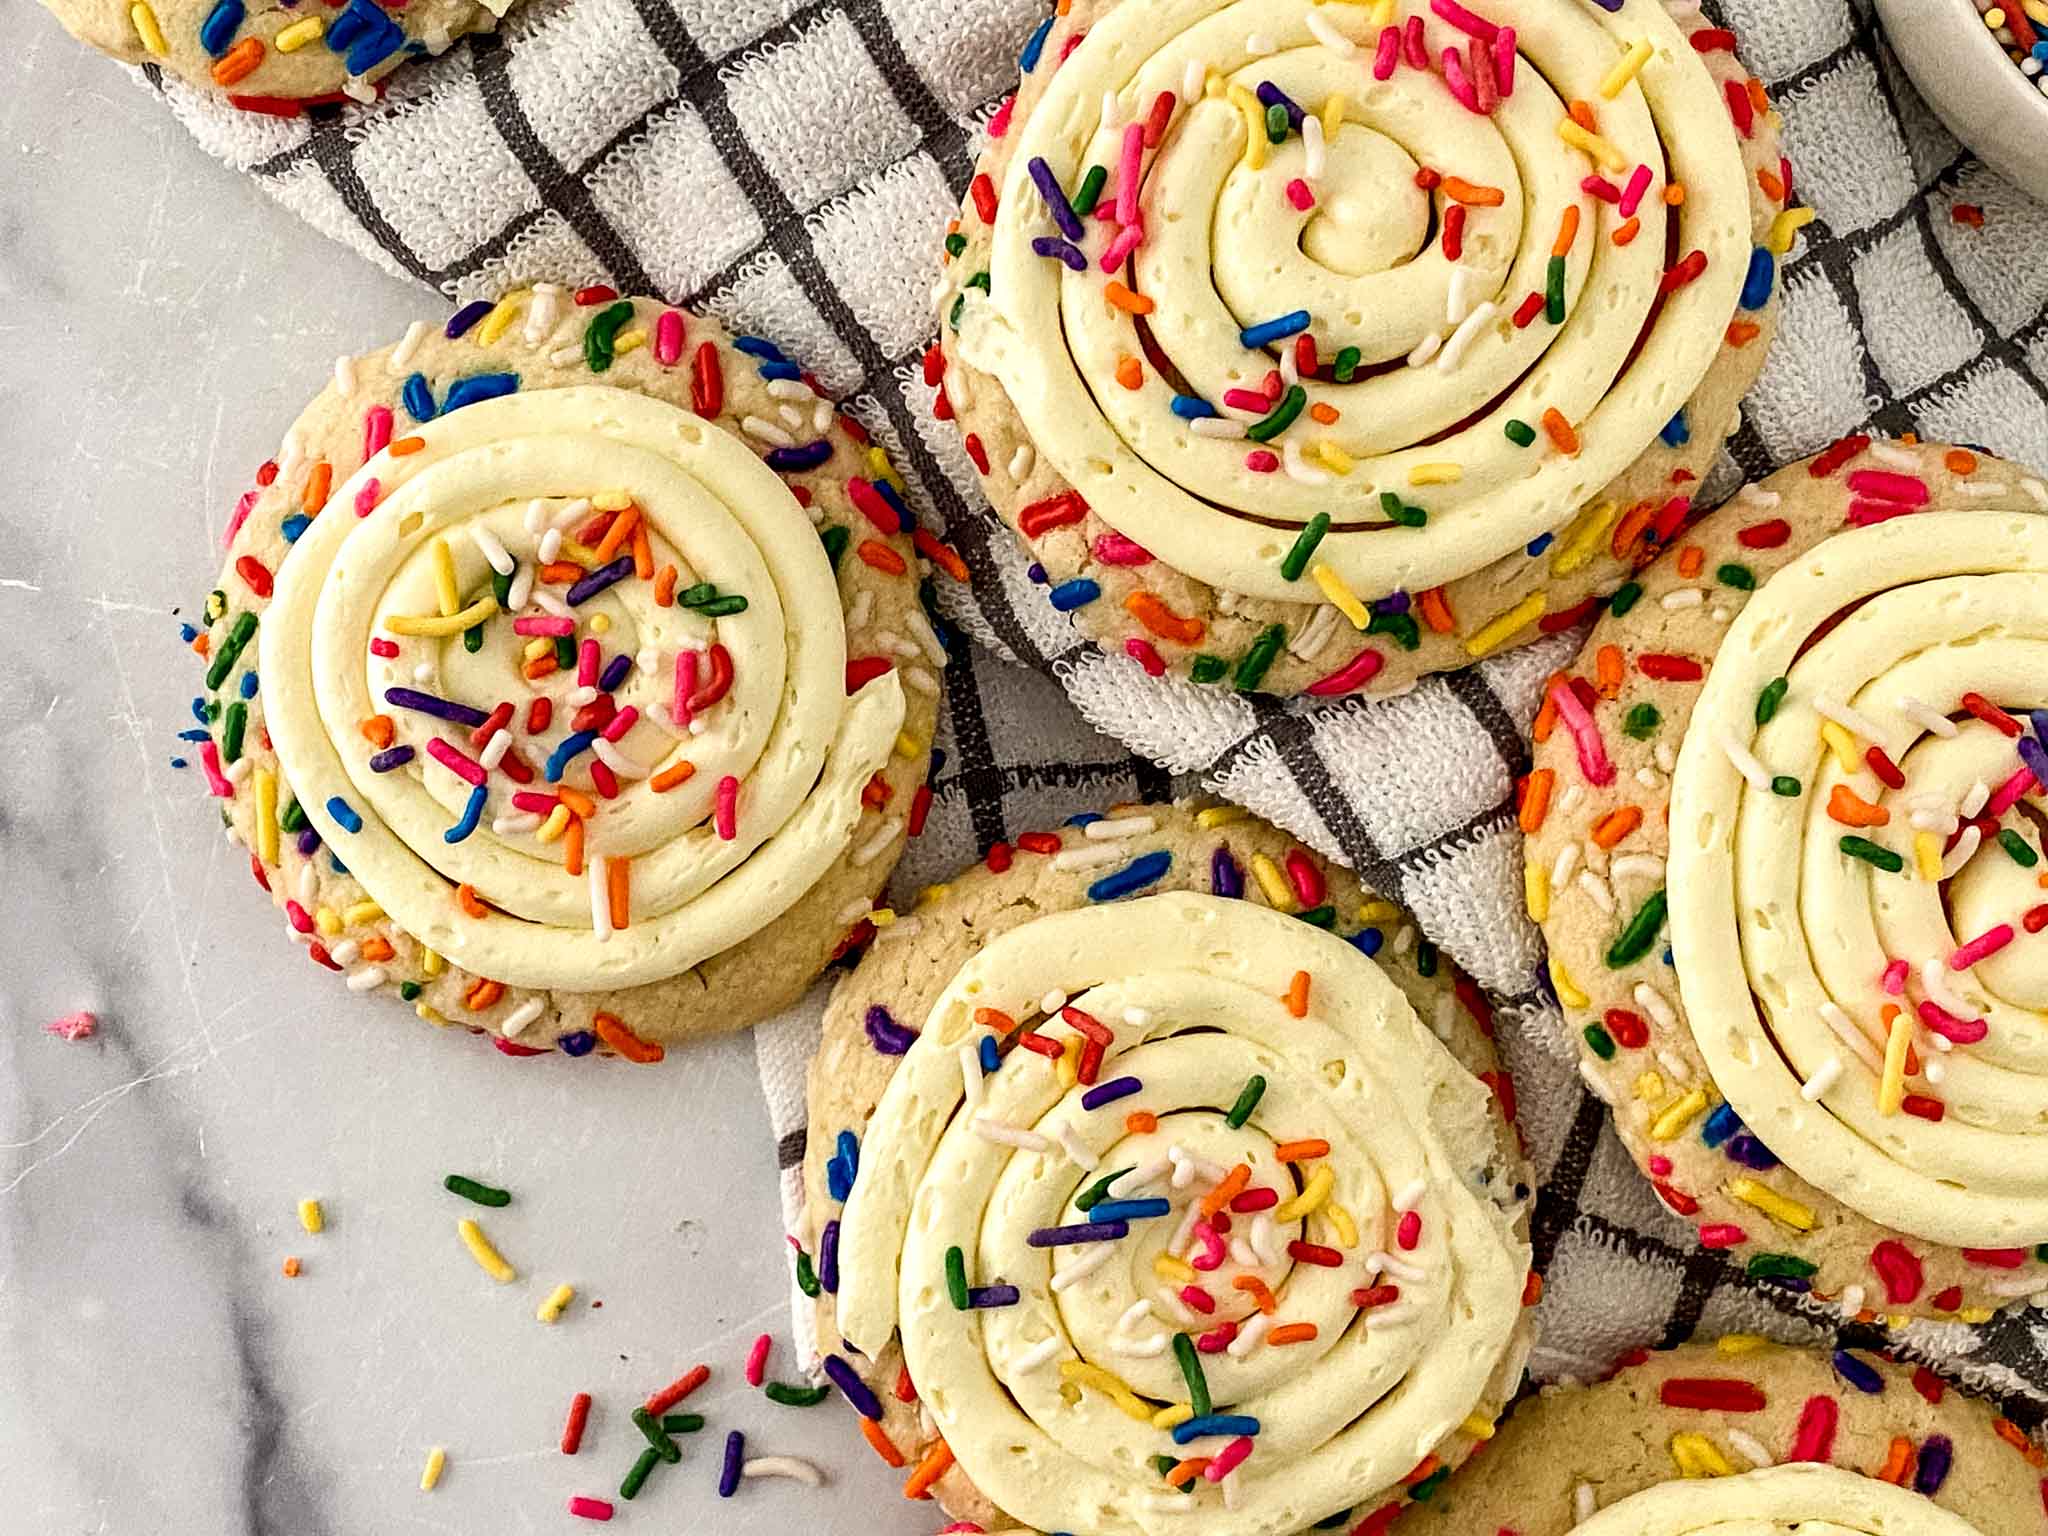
(568, 675)
(1786, 848)
(1748, 1439)
(1144, 1201)
(281, 56)
(1312, 347)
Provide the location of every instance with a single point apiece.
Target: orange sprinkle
(406, 447)
(1472, 193)
(1616, 824)
(1536, 798)
(1228, 1190)
(1582, 114)
(202, 644)
(881, 557)
(643, 553)
(1567, 231)
(1130, 372)
(291, 1267)
(615, 536)
(377, 948)
(1297, 995)
(618, 891)
(377, 730)
(665, 587)
(1960, 461)
(2011, 1433)
(321, 479)
(621, 1039)
(934, 1466)
(1185, 1472)
(1140, 1122)
(1898, 1461)
(540, 667)
(1767, 178)
(944, 556)
(1852, 810)
(1259, 1292)
(1742, 332)
(1691, 560)
(1436, 611)
(1628, 231)
(238, 61)
(1423, 1468)
(1301, 1151)
(1292, 1333)
(1532, 1289)
(671, 776)
(1607, 671)
(1322, 411)
(1546, 715)
(1757, 98)
(1674, 195)
(572, 846)
(996, 1019)
(1151, 611)
(467, 899)
(1629, 531)
(879, 1439)
(561, 572)
(1130, 303)
(483, 993)
(1560, 431)
(578, 802)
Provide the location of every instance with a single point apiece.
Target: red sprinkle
(1722, 1234)
(589, 1509)
(707, 382)
(862, 670)
(677, 1390)
(1814, 1440)
(1713, 40)
(1686, 271)
(1314, 1253)
(1454, 232)
(1307, 880)
(1929, 1385)
(1676, 1198)
(1900, 1271)
(1765, 535)
(1837, 455)
(1740, 107)
(997, 858)
(983, 192)
(596, 293)
(1146, 655)
(1991, 714)
(1375, 1296)
(1718, 1394)
(1039, 842)
(1041, 517)
(579, 1415)
(1409, 1232)
(1670, 669)
(1628, 1029)
(1530, 308)
(976, 452)
(255, 575)
(1996, 1258)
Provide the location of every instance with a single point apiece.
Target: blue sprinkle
(293, 526)
(1259, 335)
(839, 1173)
(1232, 1424)
(1078, 593)
(1105, 1093)
(1226, 879)
(390, 758)
(1130, 1210)
(379, 39)
(1082, 819)
(471, 814)
(188, 633)
(849, 1151)
(1192, 407)
(568, 748)
(345, 814)
(885, 1034)
(783, 370)
(466, 317)
(218, 31)
(1763, 274)
(417, 398)
(581, 1043)
(1134, 876)
(991, 1055)
(178, 762)
(614, 672)
(905, 518)
(756, 346)
(1367, 941)
(478, 386)
(1034, 46)
(794, 461)
(248, 685)
(1065, 250)
(1720, 1125)
(1540, 543)
(1860, 1374)
(199, 713)
(1677, 433)
(195, 735)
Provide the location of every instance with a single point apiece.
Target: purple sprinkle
(1936, 1452)
(828, 1257)
(993, 1296)
(1056, 200)
(794, 461)
(614, 672)
(390, 758)
(843, 1377)
(1110, 1092)
(1270, 95)
(439, 708)
(729, 1473)
(1393, 602)
(1225, 878)
(466, 317)
(1052, 245)
(604, 576)
(886, 1035)
(1611, 7)
(309, 840)
(2035, 756)
(1081, 1232)
(580, 1043)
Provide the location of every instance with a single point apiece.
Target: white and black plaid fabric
(791, 167)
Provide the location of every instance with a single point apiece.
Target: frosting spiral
(1809, 1498)
(1313, 310)
(1052, 1250)
(730, 765)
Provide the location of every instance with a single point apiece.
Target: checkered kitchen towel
(790, 165)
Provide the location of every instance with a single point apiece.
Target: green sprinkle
(230, 649)
(1304, 546)
(1207, 669)
(1342, 1517)
(233, 725)
(979, 280)
(1191, 1372)
(2018, 848)
(706, 599)
(1741, 577)
(1163, 1464)
(1519, 432)
(1348, 359)
(683, 1423)
(953, 314)
(1090, 190)
(1873, 853)
(657, 1437)
(835, 539)
(1601, 1042)
(1624, 598)
(565, 652)
(1780, 1266)
(501, 586)
(294, 818)
(1276, 123)
(795, 1397)
(1426, 1489)
(1641, 722)
(631, 1483)
(471, 1189)
(473, 639)
(1400, 512)
(956, 1278)
(1251, 667)
(1425, 958)
(1640, 934)
(1553, 292)
(1247, 1101)
(1282, 417)
(409, 990)
(1768, 701)
(806, 1275)
(1098, 1192)
(601, 335)
(1786, 787)
(212, 711)
(955, 243)
(2041, 1253)
(1324, 916)
(1400, 627)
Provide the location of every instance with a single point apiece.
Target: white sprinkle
(1087, 856)
(1894, 455)
(1631, 865)
(1325, 32)
(1934, 979)
(495, 749)
(1667, 757)
(1091, 1260)
(1750, 1447)
(1835, 1018)
(2014, 1285)
(517, 595)
(401, 356)
(1005, 1134)
(517, 824)
(789, 389)
(562, 357)
(791, 415)
(368, 978)
(1745, 762)
(1674, 1064)
(1040, 1354)
(2037, 493)
(581, 695)
(1147, 1348)
(1077, 1149)
(1112, 827)
(1757, 496)
(1125, 1185)
(1425, 349)
(863, 606)
(1684, 597)
(540, 314)
(600, 902)
(1964, 850)
(1596, 889)
(1848, 719)
(1175, 1310)
(1942, 822)
(520, 1017)
(920, 679)
(921, 631)
(1981, 490)
(1652, 1002)
(784, 1466)
(1825, 1076)
(1466, 334)
(491, 548)
(309, 887)
(1216, 426)
(1241, 1254)
(1975, 800)
(871, 850)
(1649, 778)
(1290, 375)
(1299, 469)
(550, 545)
(970, 1078)
(1584, 1504)
(902, 928)
(1315, 155)
(1410, 1196)
(1924, 716)
(1266, 1240)
(1250, 1336)
(1136, 1313)
(1194, 79)
(1021, 461)
(552, 603)
(1562, 866)
(345, 375)
(1400, 1269)
(766, 432)
(573, 512)
(1463, 292)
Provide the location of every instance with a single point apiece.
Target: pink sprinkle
(1129, 167)
(1602, 188)
(366, 496)
(384, 648)
(1260, 462)
(686, 684)
(1146, 655)
(73, 1026)
(757, 1359)
(1947, 1025)
(216, 784)
(1121, 247)
(1660, 1165)
(1217, 1339)
(1894, 980)
(589, 1509)
(602, 776)
(1389, 54)
(1864, 514)
(621, 723)
(2009, 793)
(1213, 1250)
(1245, 400)
(1504, 62)
(543, 624)
(457, 763)
(1722, 1234)
(1225, 1461)
(1989, 942)
(298, 917)
(726, 809)
(1455, 79)
(1115, 549)
(376, 430)
(1464, 20)
(668, 337)
(1275, 385)
(1000, 123)
(241, 516)
(1479, 64)
(1632, 196)
(1885, 486)
(1409, 1232)
(586, 662)
(540, 805)
(1413, 48)
(1299, 195)
(1355, 673)
(1260, 1199)
(1593, 763)
(1199, 1299)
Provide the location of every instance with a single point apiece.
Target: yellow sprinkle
(628, 341)
(1974, 1315)
(1172, 1414)
(298, 34)
(612, 501)
(1436, 474)
(430, 961)
(1254, 127)
(453, 624)
(1167, 1267)
(431, 1014)
(1478, 1426)
(1843, 745)
(537, 647)
(1333, 116)
(1536, 890)
(1891, 1088)
(444, 578)
(582, 554)
(327, 920)
(600, 623)
(930, 894)
(1771, 1203)
(1377, 912)
(1650, 1086)
(488, 1259)
(1697, 1457)
(880, 467)
(266, 815)
(1383, 12)
(1211, 817)
(1592, 145)
(551, 1309)
(1927, 855)
(556, 824)
(1338, 591)
(430, 1474)
(1499, 630)
(1336, 458)
(311, 1217)
(1279, 894)
(1625, 71)
(147, 29)
(1583, 537)
(1313, 1194)
(1679, 1115)
(502, 314)
(907, 745)
(1085, 1374)
(1343, 1230)
(1568, 991)
(361, 912)
(1741, 1343)
(1068, 1067)
(1785, 229)
(881, 917)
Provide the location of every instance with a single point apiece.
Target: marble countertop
(159, 321)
